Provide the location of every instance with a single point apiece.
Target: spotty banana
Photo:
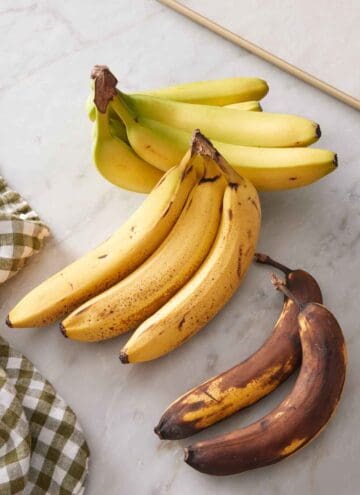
(125, 305)
(216, 280)
(299, 418)
(253, 378)
(226, 124)
(269, 169)
(124, 251)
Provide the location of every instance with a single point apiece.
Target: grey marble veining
(48, 49)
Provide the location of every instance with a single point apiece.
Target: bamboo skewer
(264, 54)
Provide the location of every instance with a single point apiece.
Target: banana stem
(266, 260)
(104, 86)
(200, 145)
(102, 124)
(280, 285)
(122, 110)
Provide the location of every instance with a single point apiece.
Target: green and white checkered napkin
(42, 446)
(21, 232)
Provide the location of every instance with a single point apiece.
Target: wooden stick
(265, 55)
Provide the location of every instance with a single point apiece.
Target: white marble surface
(47, 51)
(319, 37)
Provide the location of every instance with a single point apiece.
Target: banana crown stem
(202, 146)
(102, 124)
(104, 86)
(122, 110)
(280, 285)
(266, 260)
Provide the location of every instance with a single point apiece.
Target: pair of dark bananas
(307, 333)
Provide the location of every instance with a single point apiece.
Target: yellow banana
(118, 163)
(216, 280)
(113, 260)
(125, 305)
(226, 124)
(217, 92)
(269, 169)
(249, 106)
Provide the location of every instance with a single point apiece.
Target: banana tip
(157, 431)
(63, 330)
(124, 358)
(188, 454)
(318, 131)
(335, 161)
(8, 322)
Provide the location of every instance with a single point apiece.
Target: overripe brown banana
(252, 379)
(300, 417)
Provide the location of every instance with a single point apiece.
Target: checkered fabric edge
(59, 452)
(21, 232)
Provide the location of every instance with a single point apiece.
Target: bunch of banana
(306, 328)
(167, 271)
(269, 149)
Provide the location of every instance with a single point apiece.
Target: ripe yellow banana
(117, 162)
(217, 92)
(125, 305)
(269, 169)
(301, 415)
(216, 280)
(226, 124)
(113, 260)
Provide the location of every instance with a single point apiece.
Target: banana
(147, 141)
(113, 260)
(118, 129)
(226, 124)
(125, 305)
(303, 413)
(217, 92)
(216, 280)
(269, 169)
(117, 162)
(254, 378)
(249, 106)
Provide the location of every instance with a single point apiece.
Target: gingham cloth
(21, 232)
(42, 446)
(43, 450)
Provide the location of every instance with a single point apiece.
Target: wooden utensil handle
(264, 54)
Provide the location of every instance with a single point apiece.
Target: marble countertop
(48, 50)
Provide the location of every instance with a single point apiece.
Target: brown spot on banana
(181, 323)
(251, 380)
(299, 418)
(203, 180)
